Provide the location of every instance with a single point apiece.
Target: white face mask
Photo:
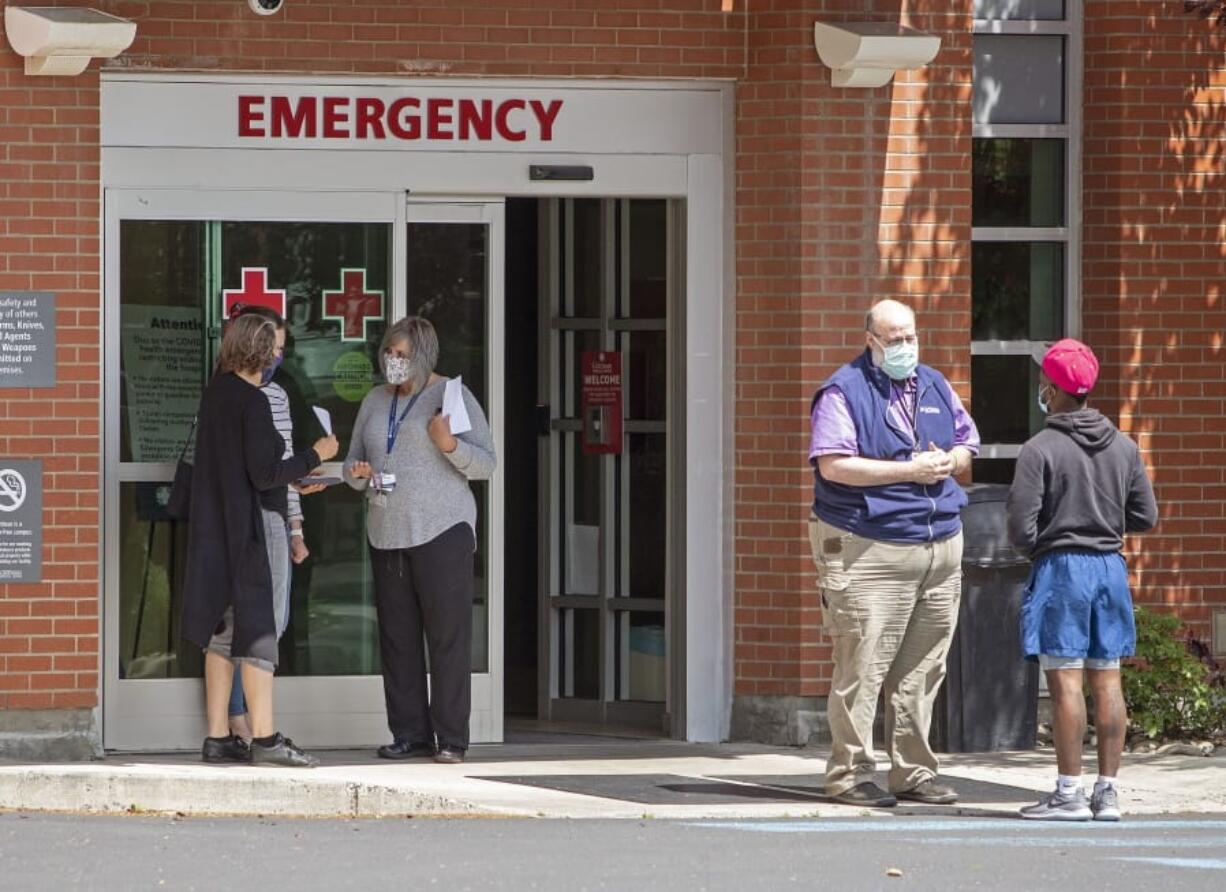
(1044, 404)
(396, 369)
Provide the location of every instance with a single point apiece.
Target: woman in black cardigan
(227, 590)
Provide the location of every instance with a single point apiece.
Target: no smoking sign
(12, 490)
(21, 521)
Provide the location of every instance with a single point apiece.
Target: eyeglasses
(911, 340)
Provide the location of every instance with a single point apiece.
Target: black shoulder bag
(179, 505)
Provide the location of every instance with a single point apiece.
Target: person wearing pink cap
(1079, 486)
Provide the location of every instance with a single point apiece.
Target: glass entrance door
(454, 277)
(609, 583)
(176, 264)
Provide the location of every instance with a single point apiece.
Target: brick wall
(50, 218)
(1154, 274)
(49, 226)
(844, 197)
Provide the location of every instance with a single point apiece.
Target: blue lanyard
(393, 423)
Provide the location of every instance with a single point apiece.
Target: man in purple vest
(889, 435)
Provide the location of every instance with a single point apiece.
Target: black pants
(427, 588)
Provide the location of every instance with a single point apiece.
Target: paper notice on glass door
(454, 408)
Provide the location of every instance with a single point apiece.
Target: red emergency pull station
(600, 402)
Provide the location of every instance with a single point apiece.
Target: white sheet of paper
(453, 406)
(325, 418)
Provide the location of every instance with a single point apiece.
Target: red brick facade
(843, 196)
(1154, 272)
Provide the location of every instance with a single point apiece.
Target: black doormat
(661, 789)
(675, 789)
(970, 792)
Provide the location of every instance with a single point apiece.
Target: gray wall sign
(27, 339)
(21, 521)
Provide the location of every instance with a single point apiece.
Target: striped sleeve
(278, 402)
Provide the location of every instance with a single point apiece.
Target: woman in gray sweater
(421, 523)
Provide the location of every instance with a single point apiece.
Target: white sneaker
(1105, 803)
(1056, 806)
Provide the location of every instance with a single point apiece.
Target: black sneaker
(402, 749)
(867, 794)
(281, 752)
(225, 749)
(930, 793)
(449, 755)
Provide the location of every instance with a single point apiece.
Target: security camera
(266, 7)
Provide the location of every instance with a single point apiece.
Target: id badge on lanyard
(384, 482)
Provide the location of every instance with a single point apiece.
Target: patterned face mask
(396, 369)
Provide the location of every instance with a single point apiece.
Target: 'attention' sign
(407, 118)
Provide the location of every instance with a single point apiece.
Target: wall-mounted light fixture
(62, 39)
(866, 54)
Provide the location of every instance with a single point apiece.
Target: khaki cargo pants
(890, 609)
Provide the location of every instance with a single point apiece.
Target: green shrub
(1170, 691)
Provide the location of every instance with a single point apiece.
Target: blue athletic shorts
(1077, 604)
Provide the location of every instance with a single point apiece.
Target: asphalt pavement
(59, 851)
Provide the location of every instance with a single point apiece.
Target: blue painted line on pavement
(1093, 842)
(953, 824)
(1197, 863)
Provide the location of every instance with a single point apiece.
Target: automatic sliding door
(607, 581)
(453, 275)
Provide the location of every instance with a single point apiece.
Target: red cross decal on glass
(255, 291)
(353, 306)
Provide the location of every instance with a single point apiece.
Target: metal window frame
(1069, 235)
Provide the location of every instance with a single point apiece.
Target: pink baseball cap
(1071, 366)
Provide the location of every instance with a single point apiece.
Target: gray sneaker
(1105, 803)
(1057, 807)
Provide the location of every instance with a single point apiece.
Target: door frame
(160, 714)
(631, 152)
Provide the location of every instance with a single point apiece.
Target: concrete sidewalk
(573, 776)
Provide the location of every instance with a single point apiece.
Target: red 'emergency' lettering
(436, 119)
(334, 117)
(369, 117)
(248, 117)
(500, 120)
(404, 126)
(292, 121)
(408, 118)
(545, 116)
(477, 120)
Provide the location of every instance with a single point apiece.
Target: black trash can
(990, 698)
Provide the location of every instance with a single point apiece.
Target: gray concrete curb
(284, 795)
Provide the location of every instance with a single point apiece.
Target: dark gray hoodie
(1079, 483)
